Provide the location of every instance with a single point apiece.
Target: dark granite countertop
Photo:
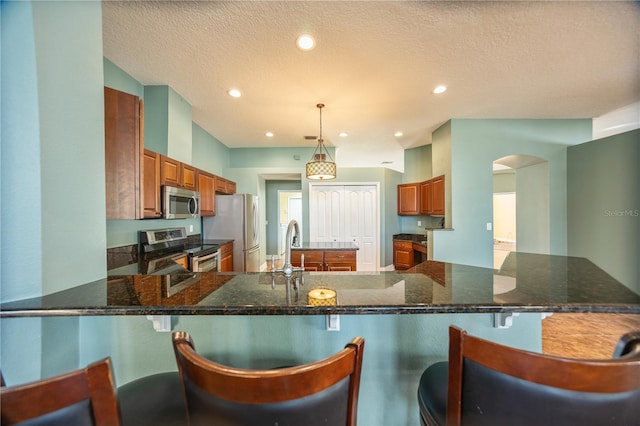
(219, 242)
(526, 283)
(329, 245)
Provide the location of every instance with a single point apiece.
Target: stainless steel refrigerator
(237, 218)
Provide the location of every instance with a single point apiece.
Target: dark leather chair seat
(154, 400)
(432, 395)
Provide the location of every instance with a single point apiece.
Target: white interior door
(326, 213)
(344, 213)
(361, 223)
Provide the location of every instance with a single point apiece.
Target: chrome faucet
(291, 241)
(293, 226)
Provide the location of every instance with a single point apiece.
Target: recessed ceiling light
(343, 134)
(269, 134)
(398, 134)
(234, 93)
(305, 42)
(440, 89)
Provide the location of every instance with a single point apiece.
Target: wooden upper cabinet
(189, 177)
(176, 173)
(170, 171)
(408, 199)
(206, 187)
(151, 207)
(437, 195)
(425, 197)
(225, 186)
(422, 198)
(123, 146)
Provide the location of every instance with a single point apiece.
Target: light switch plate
(333, 322)
(489, 226)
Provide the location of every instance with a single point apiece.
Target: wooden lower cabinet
(226, 258)
(327, 260)
(340, 261)
(402, 255)
(313, 259)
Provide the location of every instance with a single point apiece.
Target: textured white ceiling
(375, 65)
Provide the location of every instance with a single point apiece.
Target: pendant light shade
(318, 168)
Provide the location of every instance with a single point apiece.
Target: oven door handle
(208, 256)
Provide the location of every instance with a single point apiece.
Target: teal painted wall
(53, 211)
(180, 124)
(603, 205)
(474, 145)
(116, 78)
(533, 219)
(390, 223)
(156, 115)
(417, 164)
(208, 152)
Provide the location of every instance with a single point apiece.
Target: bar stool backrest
(320, 393)
(492, 384)
(81, 397)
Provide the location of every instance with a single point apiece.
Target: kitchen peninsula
(528, 283)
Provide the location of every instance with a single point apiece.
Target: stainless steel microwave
(179, 203)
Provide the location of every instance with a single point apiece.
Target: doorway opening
(520, 206)
(289, 208)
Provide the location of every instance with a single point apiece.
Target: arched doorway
(521, 184)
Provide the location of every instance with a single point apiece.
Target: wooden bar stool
(81, 397)
(485, 383)
(320, 393)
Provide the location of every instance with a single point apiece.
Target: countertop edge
(323, 310)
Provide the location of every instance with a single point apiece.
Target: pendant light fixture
(319, 168)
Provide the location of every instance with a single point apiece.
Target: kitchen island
(530, 283)
(331, 256)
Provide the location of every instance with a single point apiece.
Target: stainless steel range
(201, 257)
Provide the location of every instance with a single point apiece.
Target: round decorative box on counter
(322, 297)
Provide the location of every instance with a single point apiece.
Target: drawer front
(312, 256)
(407, 245)
(340, 256)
